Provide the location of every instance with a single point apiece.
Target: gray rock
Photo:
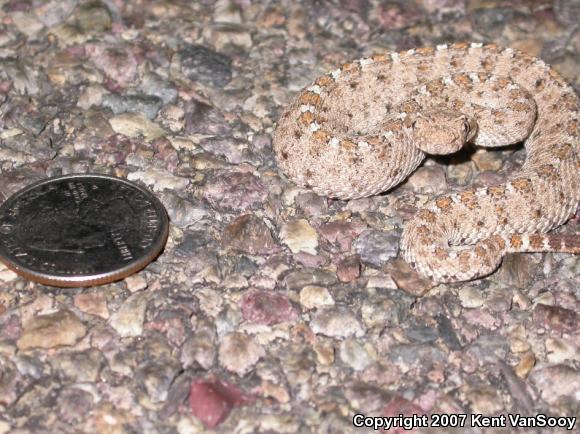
(192, 241)
(298, 279)
(182, 212)
(249, 234)
(30, 366)
(493, 20)
(235, 191)
(416, 354)
(202, 118)
(239, 352)
(558, 382)
(12, 384)
(200, 349)
(489, 348)
(355, 355)
(79, 367)
(74, 404)
(229, 147)
(93, 16)
(422, 333)
(157, 86)
(312, 204)
(178, 392)
(156, 377)
(26, 79)
(337, 322)
(202, 64)
(377, 247)
(146, 104)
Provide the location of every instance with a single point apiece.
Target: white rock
(337, 323)
(470, 297)
(159, 180)
(4, 427)
(92, 95)
(354, 354)
(313, 296)
(239, 352)
(136, 282)
(128, 320)
(26, 23)
(136, 125)
(299, 236)
(7, 275)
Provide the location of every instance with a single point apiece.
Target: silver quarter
(81, 230)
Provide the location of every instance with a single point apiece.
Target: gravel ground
(272, 310)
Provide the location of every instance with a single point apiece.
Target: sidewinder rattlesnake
(363, 128)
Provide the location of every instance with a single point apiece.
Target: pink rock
(395, 16)
(488, 178)
(17, 6)
(355, 5)
(166, 153)
(10, 327)
(267, 307)
(212, 399)
(5, 86)
(342, 233)
(76, 50)
(312, 204)
(482, 318)
(556, 318)
(119, 62)
(348, 269)
(114, 149)
(171, 325)
(236, 191)
(308, 260)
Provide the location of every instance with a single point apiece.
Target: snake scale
(364, 127)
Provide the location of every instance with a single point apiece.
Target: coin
(81, 230)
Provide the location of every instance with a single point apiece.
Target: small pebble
(239, 353)
(136, 125)
(212, 400)
(267, 307)
(377, 247)
(556, 382)
(62, 328)
(336, 322)
(349, 269)
(313, 296)
(202, 64)
(355, 355)
(471, 297)
(250, 234)
(299, 236)
(136, 283)
(128, 319)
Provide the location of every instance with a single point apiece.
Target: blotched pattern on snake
(363, 128)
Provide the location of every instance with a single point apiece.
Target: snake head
(439, 132)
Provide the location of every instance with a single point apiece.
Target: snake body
(364, 127)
